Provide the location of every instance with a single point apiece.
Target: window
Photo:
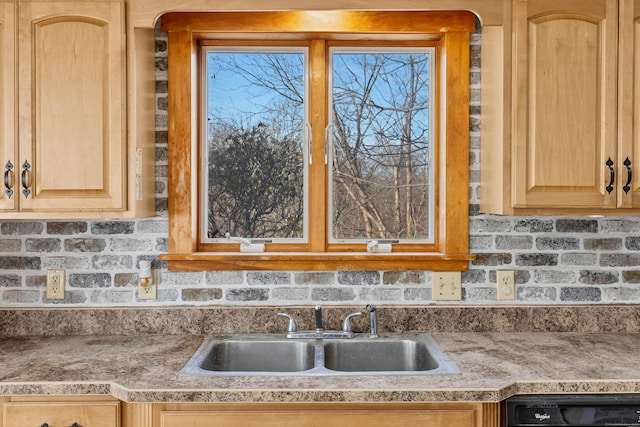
(253, 143)
(331, 140)
(378, 143)
(381, 144)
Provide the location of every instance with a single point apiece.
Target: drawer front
(61, 414)
(319, 418)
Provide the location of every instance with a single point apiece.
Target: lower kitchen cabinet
(335, 415)
(106, 411)
(85, 411)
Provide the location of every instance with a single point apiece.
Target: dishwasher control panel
(592, 410)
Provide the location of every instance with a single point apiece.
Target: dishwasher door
(584, 410)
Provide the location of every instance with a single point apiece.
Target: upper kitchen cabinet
(72, 157)
(565, 141)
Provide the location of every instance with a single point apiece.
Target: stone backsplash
(391, 319)
(557, 260)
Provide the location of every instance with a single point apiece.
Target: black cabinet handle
(72, 425)
(612, 176)
(25, 190)
(7, 185)
(627, 187)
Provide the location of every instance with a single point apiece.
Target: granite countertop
(493, 366)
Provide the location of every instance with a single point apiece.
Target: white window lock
(248, 245)
(380, 246)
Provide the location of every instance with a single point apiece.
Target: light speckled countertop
(135, 354)
(493, 365)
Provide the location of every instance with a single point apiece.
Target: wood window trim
(451, 31)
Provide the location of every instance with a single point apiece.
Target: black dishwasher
(584, 410)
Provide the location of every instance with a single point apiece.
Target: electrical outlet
(55, 284)
(446, 286)
(148, 289)
(506, 285)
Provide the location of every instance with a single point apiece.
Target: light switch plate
(446, 286)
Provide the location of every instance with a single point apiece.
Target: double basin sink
(271, 354)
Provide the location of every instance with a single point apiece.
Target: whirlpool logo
(542, 417)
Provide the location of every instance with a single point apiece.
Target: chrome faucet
(319, 332)
(373, 321)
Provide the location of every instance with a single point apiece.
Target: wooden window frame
(449, 31)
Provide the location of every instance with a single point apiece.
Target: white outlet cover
(506, 285)
(149, 291)
(55, 290)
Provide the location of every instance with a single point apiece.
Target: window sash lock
(248, 245)
(380, 245)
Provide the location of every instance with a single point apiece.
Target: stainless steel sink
(379, 355)
(390, 354)
(267, 356)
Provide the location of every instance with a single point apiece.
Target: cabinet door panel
(313, 418)
(71, 105)
(61, 414)
(8, 136)
(629, 101)
(565, 103)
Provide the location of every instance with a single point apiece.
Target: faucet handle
(346, 324)
(317, 311)
(292, 323)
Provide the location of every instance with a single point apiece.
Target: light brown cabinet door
(8, 116)
(72, 149)
(61, 414)
(629, 103)
(564, 104)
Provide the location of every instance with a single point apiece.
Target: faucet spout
(318, 317)
(373, 321)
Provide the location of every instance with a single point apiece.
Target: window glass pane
(381, 169)
(254, 143)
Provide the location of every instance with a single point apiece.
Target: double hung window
(340, 148)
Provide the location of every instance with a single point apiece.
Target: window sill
(317, 261)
